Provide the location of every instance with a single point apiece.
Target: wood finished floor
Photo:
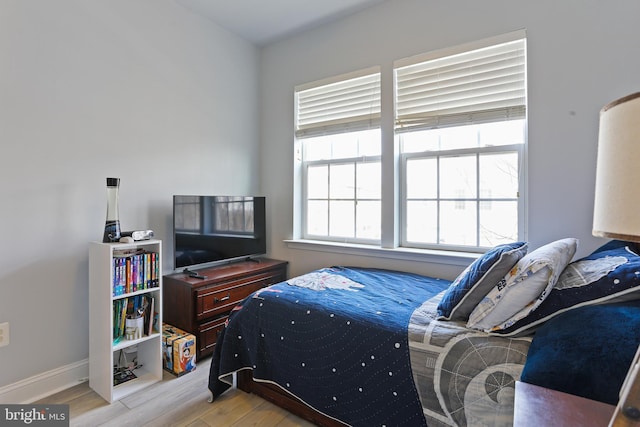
(174, 402)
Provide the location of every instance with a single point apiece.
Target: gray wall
(141, 90)
(581, 55)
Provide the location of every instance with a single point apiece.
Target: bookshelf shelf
(128, 343)
(110, 342)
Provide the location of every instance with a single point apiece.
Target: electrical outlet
(4, 334)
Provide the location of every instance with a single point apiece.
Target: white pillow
(524, 287)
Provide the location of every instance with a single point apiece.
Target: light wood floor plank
(264, 415)
(231, 407)
(173, 402)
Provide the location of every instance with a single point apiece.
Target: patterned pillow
(610, 274)
(466, 291)
(524, 287)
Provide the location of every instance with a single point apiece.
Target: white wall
(582, 54)
(142, 90)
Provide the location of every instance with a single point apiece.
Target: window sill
(456, 258)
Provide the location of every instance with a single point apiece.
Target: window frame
(360, 112)
(519, 149)
(305, 199)
(495, 62)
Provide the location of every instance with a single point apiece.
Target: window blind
(345, 105)
(475, 86)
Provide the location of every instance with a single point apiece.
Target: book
(147, 270)
(148, 314)
(154, 269)
(135, 270)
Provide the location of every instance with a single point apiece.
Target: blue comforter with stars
(335, 338)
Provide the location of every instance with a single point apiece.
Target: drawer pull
(217, 300)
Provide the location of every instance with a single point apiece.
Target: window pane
(368, 220)
(369, 143)
(422, 222)
(498, 223)
(458, 137)
(342, 181)
(471, 136)
(317, 218)
(502, 133)
(342, 146)
(318, 182)
(499, 175)
(318, 148)
(369, 180)
(341, 217)
(422, 178)
(458, 224)
(415, 142)
(458, 177)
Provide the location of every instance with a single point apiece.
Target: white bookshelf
(103, 352)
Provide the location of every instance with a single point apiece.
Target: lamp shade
(617, 197)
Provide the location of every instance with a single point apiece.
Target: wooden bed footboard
(284, 400)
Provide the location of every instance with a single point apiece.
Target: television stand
(201, 306)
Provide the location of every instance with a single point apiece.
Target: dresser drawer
(208, 333)
(221, 299)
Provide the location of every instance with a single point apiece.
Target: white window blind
(482, 85)
(349, 104)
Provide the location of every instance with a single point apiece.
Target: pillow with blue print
(468, 289)
(609, 274)
(523, 288)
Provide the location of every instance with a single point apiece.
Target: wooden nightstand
(539, 407)
(201, 306)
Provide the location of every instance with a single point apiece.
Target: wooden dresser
(201, 306)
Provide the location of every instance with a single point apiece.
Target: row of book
(135, 270)
(134, 317)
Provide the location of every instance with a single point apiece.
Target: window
(462, 197)
(338, 127)
(456, 157)
(460, 122)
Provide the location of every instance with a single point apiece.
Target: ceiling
(265, 21)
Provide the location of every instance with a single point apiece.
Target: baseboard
(45, 384)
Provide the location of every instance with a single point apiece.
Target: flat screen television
(211, 230)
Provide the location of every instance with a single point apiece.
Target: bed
(364, 346)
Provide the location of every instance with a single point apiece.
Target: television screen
(209, 230)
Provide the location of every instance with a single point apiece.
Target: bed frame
(284, 400)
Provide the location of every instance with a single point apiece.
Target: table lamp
(615, 213)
